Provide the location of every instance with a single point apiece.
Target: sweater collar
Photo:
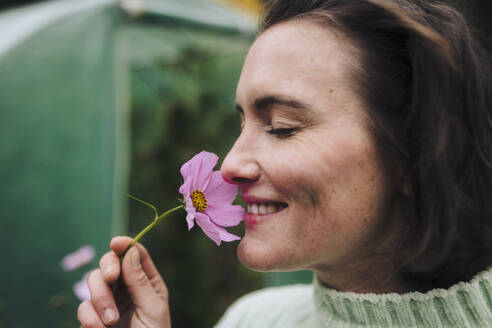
(464, 304)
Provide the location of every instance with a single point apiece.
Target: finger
(120, 244)
(153, 275)
(102, 298)
(88, 317)
(109, 264)
(139, 286)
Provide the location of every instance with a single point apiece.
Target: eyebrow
(267, 101)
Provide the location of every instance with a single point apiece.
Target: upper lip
(249, 199)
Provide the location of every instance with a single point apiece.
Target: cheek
(334, 187)
(342, 187)
(298, 173)
(357, 196)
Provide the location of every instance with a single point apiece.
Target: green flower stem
(117, 284)
(150, 226)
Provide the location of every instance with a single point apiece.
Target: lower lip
(251, 220)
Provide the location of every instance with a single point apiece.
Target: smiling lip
(261, 209)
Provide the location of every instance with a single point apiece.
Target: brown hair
(426, 84)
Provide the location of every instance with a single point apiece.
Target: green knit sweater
(302, 306)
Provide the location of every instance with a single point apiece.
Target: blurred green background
(99, 98)
(102, 97)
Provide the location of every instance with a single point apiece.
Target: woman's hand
(141, 299)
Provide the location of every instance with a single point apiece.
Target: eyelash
(283, 132)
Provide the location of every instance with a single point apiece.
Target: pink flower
(81, 289)
(208, 198)
(80, 257)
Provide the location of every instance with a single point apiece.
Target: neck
(353, 280)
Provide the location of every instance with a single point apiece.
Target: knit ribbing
(466, 304)
(286, 307)
(462, 305)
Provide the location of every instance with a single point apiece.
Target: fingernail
(135, 258)
(109, 315)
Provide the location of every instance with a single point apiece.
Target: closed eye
(282, 132)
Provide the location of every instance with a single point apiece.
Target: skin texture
(327, 170)
(324, 168)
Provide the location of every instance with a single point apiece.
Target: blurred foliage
(179, 109)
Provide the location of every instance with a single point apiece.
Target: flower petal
(190, 210)
(81, 289)
(186, 170)
(227, 236)
(226, 216)
(80, 257)
(208, 227)
(185, 188)
(189, 168)
(219, 191)
(201, 168)
(190, 219)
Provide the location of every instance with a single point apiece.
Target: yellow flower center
(199, 200)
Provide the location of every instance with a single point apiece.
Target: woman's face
(305, 155)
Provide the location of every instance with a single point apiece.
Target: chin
(259, 257)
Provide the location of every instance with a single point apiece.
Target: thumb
(139, 287)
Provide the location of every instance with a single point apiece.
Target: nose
(241, 165)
